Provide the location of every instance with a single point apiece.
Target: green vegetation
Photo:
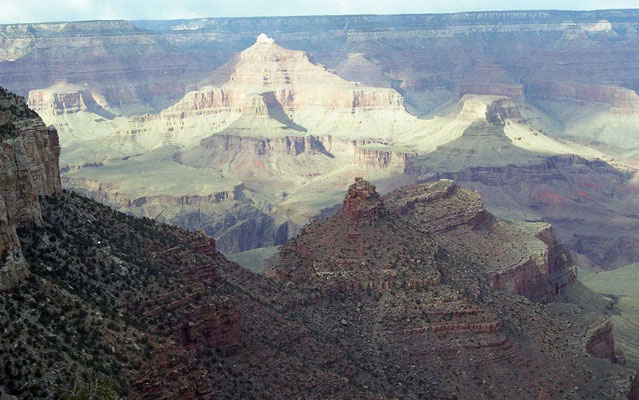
(73, 324)
(622, 286)
(12, 108)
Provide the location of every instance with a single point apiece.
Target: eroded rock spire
(362, 203)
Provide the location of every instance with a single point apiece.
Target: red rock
(362, 203)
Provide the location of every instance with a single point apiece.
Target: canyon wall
(588, 202)
(620, 100)
(547, 170)
(29, 153)
(415, 52)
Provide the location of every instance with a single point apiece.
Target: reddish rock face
(362, 204)
(206, 245)
(600, 342)
(172, 373)
(215, 326)
(427, 275)
(199, 321)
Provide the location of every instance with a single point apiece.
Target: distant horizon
(59, 11)
(314, 15)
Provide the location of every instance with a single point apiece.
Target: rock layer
(426, 279)
(527, 262)
(29, 153)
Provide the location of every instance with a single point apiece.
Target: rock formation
(569, 79)
(533, 265)
(362, 203)
(426, 279)
(29, 153)
(600, 341)
(267, 90)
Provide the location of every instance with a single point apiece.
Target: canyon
(248, 128)
(421, 292)
(413, 199)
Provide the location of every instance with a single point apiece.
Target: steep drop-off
(29, 153)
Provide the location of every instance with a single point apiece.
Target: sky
(15, 11)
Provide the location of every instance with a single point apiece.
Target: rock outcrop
(426, 280)
(525, 260)
(288, 145)
(362, 203)
(29, 153)
(600, 342)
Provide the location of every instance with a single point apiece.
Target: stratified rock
(269, 91)
(435, 286)
(524, 259)
(362, 203)
(29, 153)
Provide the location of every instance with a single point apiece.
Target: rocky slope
(417, 277)
(526, 260)
(29, 153)
(130, 308)
(151, 311)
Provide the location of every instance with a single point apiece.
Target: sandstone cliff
(29, 153)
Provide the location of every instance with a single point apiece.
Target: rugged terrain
(208, 128)
(248, 139)
(418, 276)
(417, 294)
(620, 286)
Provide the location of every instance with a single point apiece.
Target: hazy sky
(12, 11)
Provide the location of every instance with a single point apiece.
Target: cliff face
(619, 99)
(29, 153)
(289, 145)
